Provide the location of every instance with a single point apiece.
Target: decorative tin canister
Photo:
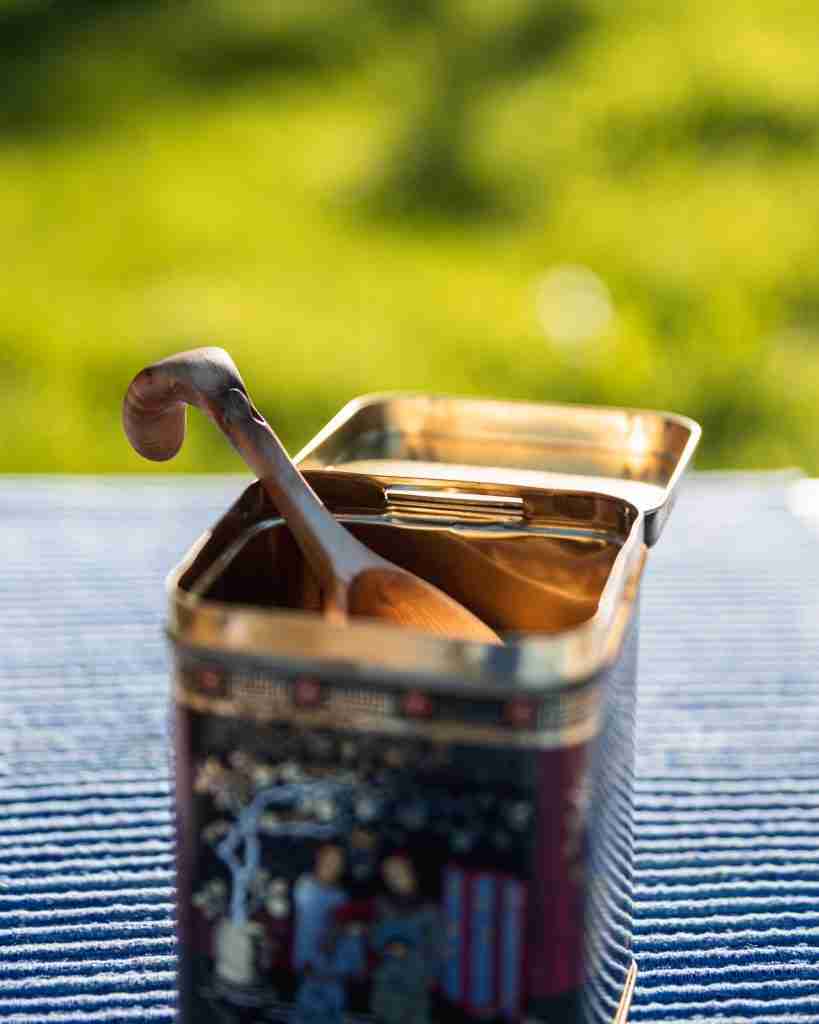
(381, 825)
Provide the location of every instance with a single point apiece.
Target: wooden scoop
(353, 579)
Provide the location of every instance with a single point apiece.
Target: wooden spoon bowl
(353, 579)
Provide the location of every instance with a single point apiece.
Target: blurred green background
(571, 200)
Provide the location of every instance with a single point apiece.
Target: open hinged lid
(427, 446)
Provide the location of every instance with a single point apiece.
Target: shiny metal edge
(621, 1015)
(368, 649)
(656, 518)
(655, 514)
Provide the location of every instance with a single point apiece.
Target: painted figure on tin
(325, 953)
(405, 936)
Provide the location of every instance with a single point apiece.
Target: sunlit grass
(165, 214)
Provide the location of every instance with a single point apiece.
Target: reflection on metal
(556, 584)
(463, 504)
(634, 454)
(628, 992)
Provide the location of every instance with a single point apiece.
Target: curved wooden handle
(153, 412)
(153, 416)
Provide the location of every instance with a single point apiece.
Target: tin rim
(368, 649)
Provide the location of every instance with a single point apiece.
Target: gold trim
(270, 710)
(527, 663)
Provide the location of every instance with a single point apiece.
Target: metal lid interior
(437, 443)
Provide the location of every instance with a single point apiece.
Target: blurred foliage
(370, 194)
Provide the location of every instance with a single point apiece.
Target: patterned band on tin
(541, 720)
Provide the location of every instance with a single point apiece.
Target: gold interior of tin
(638, 455)
(515, 580)
(554, 572)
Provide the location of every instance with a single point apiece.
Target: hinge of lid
(449, 502)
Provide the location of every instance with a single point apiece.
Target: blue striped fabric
(727, 829)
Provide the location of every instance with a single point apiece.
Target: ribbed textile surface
(727, 826)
